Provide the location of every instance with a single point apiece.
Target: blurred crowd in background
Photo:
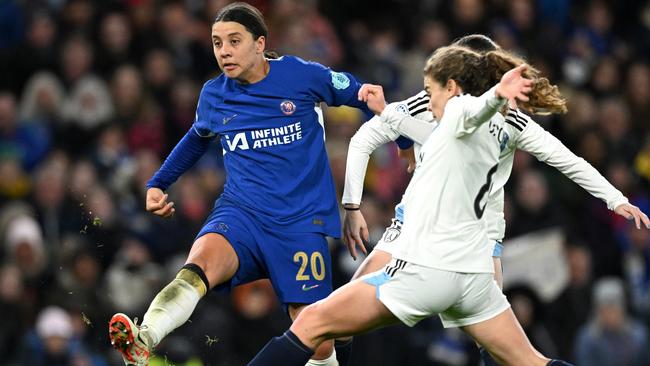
(95, 94)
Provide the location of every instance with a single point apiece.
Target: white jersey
(521, 132)
(374, 133)
(447, 196)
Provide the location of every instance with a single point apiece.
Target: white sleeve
(477, 111)
(397, 117)
(370, 135)
(548, 149)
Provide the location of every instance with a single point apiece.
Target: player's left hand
(355, 231)
(373, 95)
(632, 212)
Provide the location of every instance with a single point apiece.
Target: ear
(452, 88)
(260, 44)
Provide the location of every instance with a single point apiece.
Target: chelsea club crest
(287, 107)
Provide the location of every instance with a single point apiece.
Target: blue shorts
(298, 264)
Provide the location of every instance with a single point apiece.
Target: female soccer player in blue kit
(279, 201)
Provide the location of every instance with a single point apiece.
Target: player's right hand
(157, 204)
(373, 95)
(355, 231)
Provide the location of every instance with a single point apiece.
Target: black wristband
(352, 208)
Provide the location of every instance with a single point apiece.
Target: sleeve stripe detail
(512, 123)
(416, 98)
(418, 111)
(413, 107)
(522, 117)
(514, 119)
(521, 121)
(518, 116)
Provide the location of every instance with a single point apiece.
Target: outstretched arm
(547, 148)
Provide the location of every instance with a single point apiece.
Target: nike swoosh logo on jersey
(307, 288)
(228, 119)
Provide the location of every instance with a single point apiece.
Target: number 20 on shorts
(316, 266)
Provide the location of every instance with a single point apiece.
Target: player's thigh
(216, 257)
(225, 243)
(351, 309)
(376, 260)
(506, 341)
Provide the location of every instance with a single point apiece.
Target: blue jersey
(274, 144)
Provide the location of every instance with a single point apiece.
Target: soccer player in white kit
(520, 132)
(445, 267)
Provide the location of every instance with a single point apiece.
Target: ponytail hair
(248, 16)
(544, 97)
(476, 73)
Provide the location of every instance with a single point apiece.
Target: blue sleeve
(404, 143)
(336, 88)
(202, 120)
(185, 154)
(342, 88)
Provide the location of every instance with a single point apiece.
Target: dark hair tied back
(248, 16)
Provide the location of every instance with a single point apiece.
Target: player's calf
(287, 350)
(343, 349)
(311, 325)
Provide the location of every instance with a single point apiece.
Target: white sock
(170, 309)
(330, 361)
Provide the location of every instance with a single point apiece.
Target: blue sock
(487, 358)
(343, 351)
(558, 363)
(286, 350)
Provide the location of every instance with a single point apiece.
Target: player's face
(236, 51)
(439, 95)
(437, 101)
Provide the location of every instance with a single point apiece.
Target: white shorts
(413, 292)
(391, 237)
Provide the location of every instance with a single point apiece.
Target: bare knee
(215, 256)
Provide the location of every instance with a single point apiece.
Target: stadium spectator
(612, 337)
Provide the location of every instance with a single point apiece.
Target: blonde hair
(475, 73)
